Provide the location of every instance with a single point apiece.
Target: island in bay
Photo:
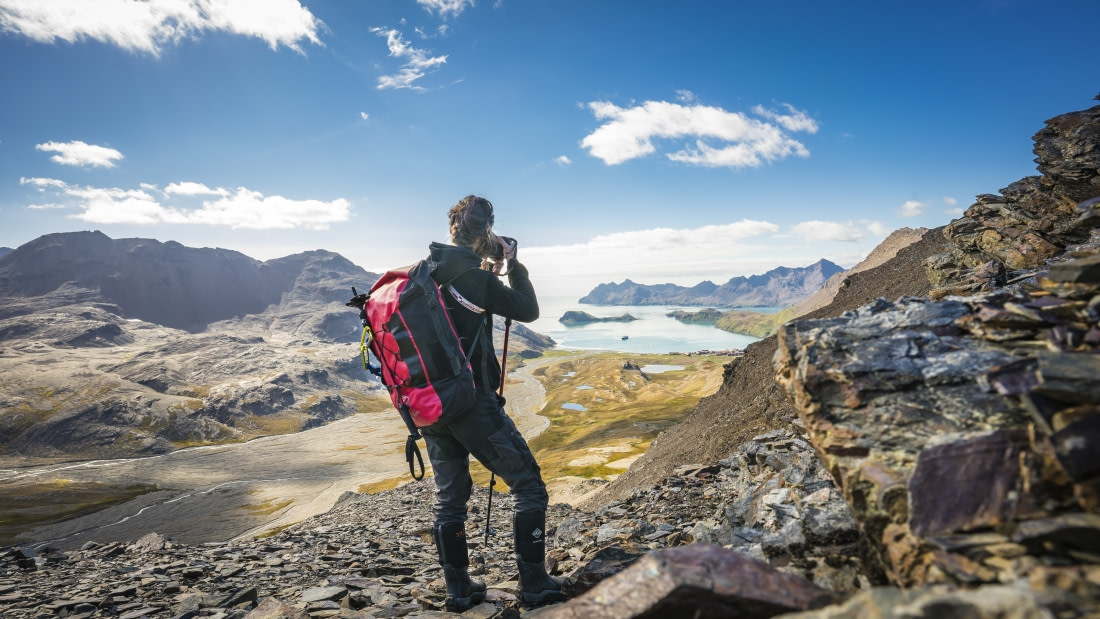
(573, 317)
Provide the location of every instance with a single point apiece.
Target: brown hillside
(749, 402)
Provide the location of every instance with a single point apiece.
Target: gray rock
(694, 581)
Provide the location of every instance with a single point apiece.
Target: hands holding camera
(509, 248)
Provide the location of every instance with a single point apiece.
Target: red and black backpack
(420, 356)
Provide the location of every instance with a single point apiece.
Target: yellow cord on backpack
(364, 342)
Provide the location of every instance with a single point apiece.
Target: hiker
(475, 295)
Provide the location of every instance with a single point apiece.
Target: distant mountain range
(172, 285)
(124, 347)
(781, 286)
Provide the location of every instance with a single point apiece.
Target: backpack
(420, 356)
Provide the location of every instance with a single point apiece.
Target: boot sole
(546, 597)
(459, 605)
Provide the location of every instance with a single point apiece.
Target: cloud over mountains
(721, 138)
(148, 26)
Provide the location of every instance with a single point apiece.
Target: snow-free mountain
(779, 287)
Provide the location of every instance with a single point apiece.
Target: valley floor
(612, 411)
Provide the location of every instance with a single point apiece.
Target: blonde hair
(472, 226)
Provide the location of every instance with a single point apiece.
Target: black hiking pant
(487, 433)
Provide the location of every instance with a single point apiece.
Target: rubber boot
(462, 593)
(535, 585)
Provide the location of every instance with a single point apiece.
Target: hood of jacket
(447, 259)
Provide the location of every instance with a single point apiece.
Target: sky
(656, 141)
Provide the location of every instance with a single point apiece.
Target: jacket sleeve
(517, 302)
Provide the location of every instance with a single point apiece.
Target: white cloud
(795, 120)
(80, 154)
(120, 206)
(877, 228)
(188, 188)
(563, 160)
(242, 208)
(43, 183)
(628, 133)
(445, 8)
(364, 115)
(251, 209)
(150, 25)
(685, 96)
(949, 201)
(912, 208)
(828, 231)
(39, 207)
(954, 212)
(417, 61)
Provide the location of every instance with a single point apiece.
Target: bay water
(653, 332)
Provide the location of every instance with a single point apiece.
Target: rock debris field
(371, 555)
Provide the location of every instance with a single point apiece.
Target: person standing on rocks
(473, 265)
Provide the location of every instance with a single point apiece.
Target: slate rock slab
(701, 581)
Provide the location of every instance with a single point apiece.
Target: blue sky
(656, 141)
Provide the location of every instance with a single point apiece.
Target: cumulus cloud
(80, 154)
(950, 201)
(563, 160)
(242, 208)
(721, 138)
(148, 26)
(912, 208)
(188, 188)
(418, 62)
(877, 228)
(364, 115)
(251, 209)
(43, 183)
(829, 231)
(446, 8)
(121, 206)
(954, 212)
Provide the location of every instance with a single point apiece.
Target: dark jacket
(484, 290)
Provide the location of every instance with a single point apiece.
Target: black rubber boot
(535, 585)
(462, 593)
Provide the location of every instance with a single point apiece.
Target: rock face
(964, 432)
(1007, 236)
(697, 581)
(781, 286)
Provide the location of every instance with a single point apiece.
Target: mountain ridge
(780, 286)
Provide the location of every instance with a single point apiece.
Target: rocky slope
(780, 286)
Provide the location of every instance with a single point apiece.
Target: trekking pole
(492, 475)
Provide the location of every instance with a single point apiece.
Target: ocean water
(653, 332)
